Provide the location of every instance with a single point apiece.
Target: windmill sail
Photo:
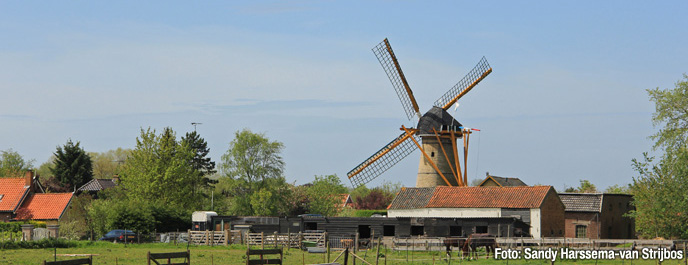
(383, 159)
(479, 72)
(388, 60)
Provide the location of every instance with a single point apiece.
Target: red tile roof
(44, 206)
(489, 197)
(13, 190)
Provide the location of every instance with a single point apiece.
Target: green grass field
(121, 254)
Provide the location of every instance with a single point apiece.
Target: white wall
(446, 212)
(535, 223)
(535, 216)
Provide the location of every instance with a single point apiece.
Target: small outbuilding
(598, 215)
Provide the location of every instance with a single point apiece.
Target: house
(345, 200)
(537, 206)
(23, 199)
(96, 185)
(494, 181)
(598, 215)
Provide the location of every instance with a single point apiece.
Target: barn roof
(410, 198)
(44, 206)
(582, 202)
(505, 182)
(12, 192)
(98, 185)
(522, 197)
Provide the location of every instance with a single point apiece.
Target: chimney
(115, 178)
(28, 178)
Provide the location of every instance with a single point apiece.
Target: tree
(252, 175)
(200, 162)
(585, 187)
(13, 165)
(158, 170)
(618, 189)
(108, 164)
(659, 189)
(324, 194)
(671, 112)
(72, 165)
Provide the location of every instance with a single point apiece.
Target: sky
(566, 99)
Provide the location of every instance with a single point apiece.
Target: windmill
(436, 135)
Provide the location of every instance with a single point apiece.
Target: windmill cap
(438, 119)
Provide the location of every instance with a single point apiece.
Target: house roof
(505, 182)
(98, 185)
(523, 197)
(345, 198)
(44, 206)
(582, 202)
(12, 191)
(411, 198)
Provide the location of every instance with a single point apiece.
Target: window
(388, 230)
(1, 196)
(417, 230)
(481, 229)
(581, 231)
(454, 231)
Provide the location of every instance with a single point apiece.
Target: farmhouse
(537, 206)
(22, 199)
(598, 215)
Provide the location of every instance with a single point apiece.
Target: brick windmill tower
(436, 135)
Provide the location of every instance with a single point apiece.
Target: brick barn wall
(552, 215)
(614, 224)
(582, 218)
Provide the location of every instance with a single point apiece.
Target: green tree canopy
(660, 187)
(671, 113)
(324, 195)
(72, 165)
(13, 165)
(108, 164)
(252, 177)
(159, 170)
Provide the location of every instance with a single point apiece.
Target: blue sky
(566, 100)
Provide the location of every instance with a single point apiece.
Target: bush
(369, 213)
(16, 226)
(43, 243)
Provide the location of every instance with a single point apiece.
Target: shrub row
(43, 243)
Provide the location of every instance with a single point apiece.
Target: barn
(537, 206)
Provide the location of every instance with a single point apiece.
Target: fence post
(227, 237)
(262, 240)
(377, 254)
(274, 235)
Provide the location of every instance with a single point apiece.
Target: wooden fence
(212, 238)
(291, 240)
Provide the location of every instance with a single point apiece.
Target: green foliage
(43, 243)
(143, 217)
(72, 165)
(368, 213)
(659, 197)
(108, 164)
(324, 196)
(16, 226)
(671, 112)
(585, 187)
(159, 170)
(13, 165)
(659, 189)
(253, 181)
(618, 189)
